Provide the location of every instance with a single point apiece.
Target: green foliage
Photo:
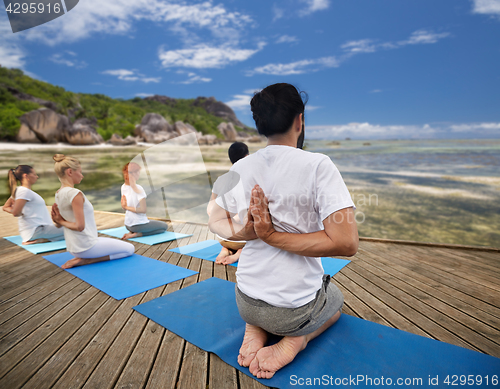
(113, 115)
(9, 120)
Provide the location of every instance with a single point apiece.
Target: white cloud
(71, 61)
(368, 131)
(426, 131)
(144, 94)
(205, 56)
(423, 37)
(491, 7)
(493, 128)
(298, 67)
(375, 91)
(12, 55)
(194, 78)
(117, 17)
(278, 13)
(287, 39)
(350, 49)
(131, 75)
(313, 6)
(361, 46)
(240, 102)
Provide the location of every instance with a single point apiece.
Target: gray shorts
(292, 321)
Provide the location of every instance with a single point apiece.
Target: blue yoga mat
(167, 236)
(209, 249)
(353, 351)
(124, 277)
(332, 266)
(37, 248)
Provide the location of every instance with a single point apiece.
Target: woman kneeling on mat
(295, 209)
(35, 225)
(75, 213)
(134, 203)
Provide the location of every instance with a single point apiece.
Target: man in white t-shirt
(295, 208)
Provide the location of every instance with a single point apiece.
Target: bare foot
(83, 261)
(269, 360)
(255, 338)
(129, 235)
(232, 258)
(74, 263)
(42, 240)
(224, 253)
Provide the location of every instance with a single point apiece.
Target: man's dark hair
(275, 108)
(237, 151)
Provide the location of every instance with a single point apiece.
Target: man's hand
(259, 210)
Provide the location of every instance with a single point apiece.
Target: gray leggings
(50, 232)
(152, 228)
(292, 321)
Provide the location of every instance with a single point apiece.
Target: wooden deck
(59, 332)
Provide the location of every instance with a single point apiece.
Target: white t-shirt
(133, 199)
(35, 212)
(77, 241)
(303, 189)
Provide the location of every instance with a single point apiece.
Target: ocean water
(444, 191)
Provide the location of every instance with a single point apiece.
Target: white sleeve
(72, 194)
(23, 193)
(331, 192)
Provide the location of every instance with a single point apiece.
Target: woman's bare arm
(77, 205)
(16, 207)
(141, 208)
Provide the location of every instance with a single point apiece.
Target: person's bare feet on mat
(255, 338)
(130, 235)
(269, 360)
(41, 240)
(83, 261)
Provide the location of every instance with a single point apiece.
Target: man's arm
(222, 223)
(340, 236)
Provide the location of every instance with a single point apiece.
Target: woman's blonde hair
(64, 163)
(17, 174)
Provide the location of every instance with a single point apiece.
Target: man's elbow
(351, 248)
(350, 245)
(80, 227)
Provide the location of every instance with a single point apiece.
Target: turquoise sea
(445, 191)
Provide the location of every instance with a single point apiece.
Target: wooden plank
(373, 285)
(463, 312)
(33, 296)
(221, 375)
(383, 308)
(23, 371)
(426, 305)
(453, 287)
(12, 331)
(92, 354)
(112, 365)
(48, 374)
(7, 294)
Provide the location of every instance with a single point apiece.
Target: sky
(372, 69)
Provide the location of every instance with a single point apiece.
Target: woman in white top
(295, 209)
(35, 225)
(75, 213)
(134, 203)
